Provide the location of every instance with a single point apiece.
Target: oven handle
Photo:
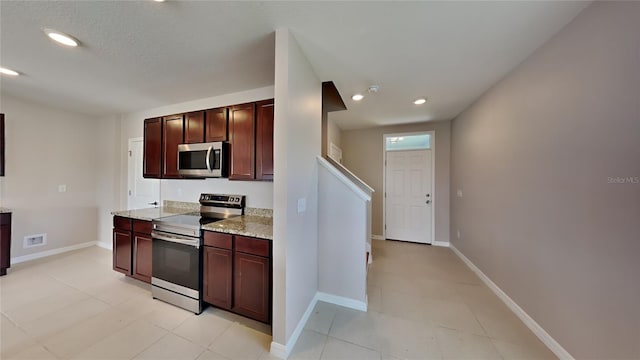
(209, 158)
(176, 239)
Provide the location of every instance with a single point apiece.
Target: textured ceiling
(137, 55)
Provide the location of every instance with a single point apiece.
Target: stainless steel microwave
(203, 160)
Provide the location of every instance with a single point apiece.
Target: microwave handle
(209, 158)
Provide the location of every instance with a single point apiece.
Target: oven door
(201, 160)
(176, 263)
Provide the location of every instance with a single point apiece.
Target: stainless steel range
(177, 256)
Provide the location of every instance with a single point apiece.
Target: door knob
(155, 203)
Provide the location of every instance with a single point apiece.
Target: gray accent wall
(548, 162)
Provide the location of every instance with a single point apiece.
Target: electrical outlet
(62, 188)
(302, 205)
(458, 234)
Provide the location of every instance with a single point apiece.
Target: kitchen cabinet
(122, 245)
(194, 126)
(216, 124)
(152, 148)
(1, 144)
(251, 286)
(242, 142)
(237, 274)
(142, 250)
(172, 136)
(264, 140)
(5, 243)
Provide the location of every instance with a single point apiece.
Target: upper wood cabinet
(216, 124)
(1, 144)
(152, 157)
(242, 141)
(194, 127)
(264, 140)
(172, 136)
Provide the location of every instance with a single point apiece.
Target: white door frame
(432, 140)
(129, 173)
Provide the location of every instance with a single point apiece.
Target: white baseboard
(343, 301)
(544, 336)
(38, 255)
(441, 243)
(282, 351)
(377, 237)
(108, 246)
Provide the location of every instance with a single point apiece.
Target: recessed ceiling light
(357, 97)
(420, 101)
(61, 38)
(6, 71)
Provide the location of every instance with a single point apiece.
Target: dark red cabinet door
(242, 142)
(5, 243)
(172, 136)
(217, 278)
(251, 286)
(194, 127)
(152, 163)
(264, 140)
(216, 124)
(122, 251)
(142, 254)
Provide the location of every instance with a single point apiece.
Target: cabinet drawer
(252, 246)
(142, 226)
(122, 223)
(218, 240)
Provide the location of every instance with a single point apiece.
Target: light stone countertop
(152, 213)
(246, 225)
(258, 223)
(5, 210)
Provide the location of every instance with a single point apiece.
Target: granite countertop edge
(245, 225)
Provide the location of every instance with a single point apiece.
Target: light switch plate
(302, 205)
(459, 193)
(62, 188)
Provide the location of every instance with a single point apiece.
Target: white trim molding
(544, 336)
(283, 351)
(343, 301)
(38, 255)
(108, 246)
(441, 243)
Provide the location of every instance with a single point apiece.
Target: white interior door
(409, 198)
(142, 193)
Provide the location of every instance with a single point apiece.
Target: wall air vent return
(35, 240)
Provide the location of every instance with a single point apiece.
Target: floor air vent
(35, 240)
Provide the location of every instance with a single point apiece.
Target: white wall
(47, 147)
(108, 176)
(297, 142)
(259, 194)
(334, 133)
(342, 238)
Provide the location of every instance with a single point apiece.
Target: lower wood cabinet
(251, 288)
(237, 274)
(5, 243)
(132, 247)
(217, 279)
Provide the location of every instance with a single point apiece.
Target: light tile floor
(423, 303)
